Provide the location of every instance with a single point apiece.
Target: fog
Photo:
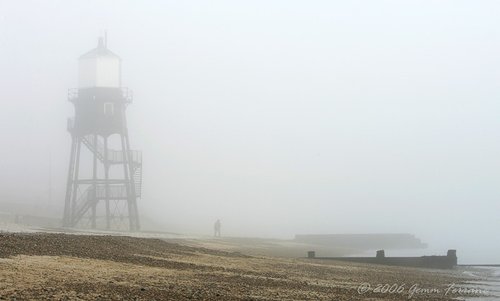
(277, 117)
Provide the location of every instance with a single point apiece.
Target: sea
(487, 283)
(485, 279)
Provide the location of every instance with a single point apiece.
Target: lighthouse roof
(100, 50)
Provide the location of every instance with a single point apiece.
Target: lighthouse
(104, 176)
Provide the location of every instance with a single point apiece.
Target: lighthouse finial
(100, 43)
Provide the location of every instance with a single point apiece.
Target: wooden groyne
(447, 261)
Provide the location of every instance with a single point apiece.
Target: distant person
(217, 228)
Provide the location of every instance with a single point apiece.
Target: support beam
(94, 184)
(106, 179)
(69, 183)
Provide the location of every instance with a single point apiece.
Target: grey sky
(278, 117)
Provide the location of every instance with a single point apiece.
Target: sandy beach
(57, 266)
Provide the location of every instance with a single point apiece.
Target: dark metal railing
(114, 156)
(126, 93)
(114, 192)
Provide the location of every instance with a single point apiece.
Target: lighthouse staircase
(111, 191)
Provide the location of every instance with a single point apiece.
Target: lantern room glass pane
(99, 71)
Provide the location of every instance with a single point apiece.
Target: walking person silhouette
(217, 228)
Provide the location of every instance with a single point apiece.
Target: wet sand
(56, 266)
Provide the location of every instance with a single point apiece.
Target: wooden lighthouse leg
(75, 181)
(94, 184)
(126, 162)
(69, 183)
(106, 177)
(133, 213)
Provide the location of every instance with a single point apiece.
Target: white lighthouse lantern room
(99, 68)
